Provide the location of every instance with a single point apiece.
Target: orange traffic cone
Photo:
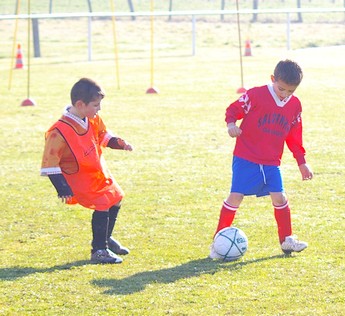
(247, 50)
(19, 58)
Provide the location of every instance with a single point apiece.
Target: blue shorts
(250, 178)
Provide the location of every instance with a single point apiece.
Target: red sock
(283, 219)
(227, 215)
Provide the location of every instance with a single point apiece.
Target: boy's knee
(234, 199)
(278, 199)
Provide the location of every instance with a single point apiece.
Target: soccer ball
(230, 244)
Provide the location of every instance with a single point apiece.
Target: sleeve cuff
(301, 160)
(106, 139)
(48, 171)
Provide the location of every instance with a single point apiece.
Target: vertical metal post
(14, 45)
(152, 89)
(29, 40)
(152, 42)
(239, 40)
(113, 20)
(36, 38)
(288, 31)
(193, 34)
(89, 40)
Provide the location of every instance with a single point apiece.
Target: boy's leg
(99, 224)
(226, 217)
(113, 212)
(288, 242)
(100, 252)
(283, 219)
(243, 172)
(113, 244)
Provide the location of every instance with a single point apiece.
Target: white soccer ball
(230, 243)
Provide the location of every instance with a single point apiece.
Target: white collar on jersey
(279, 102)
(81, 122)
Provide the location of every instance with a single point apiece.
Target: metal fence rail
(193, 14)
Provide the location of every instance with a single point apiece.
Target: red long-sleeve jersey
(267, 123)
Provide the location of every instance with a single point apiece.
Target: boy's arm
(295, 144)
(62, 188)
(107, 138)
(236, 111)
(54, 147)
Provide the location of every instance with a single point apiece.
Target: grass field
(175, 180)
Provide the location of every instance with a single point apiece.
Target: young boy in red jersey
(73, 161)
(271, 117)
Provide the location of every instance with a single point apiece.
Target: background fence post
(288, 31)
(36, 38)
(193, 34)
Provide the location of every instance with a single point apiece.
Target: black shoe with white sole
(116, 247)
(105, 256)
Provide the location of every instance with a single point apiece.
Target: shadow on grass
(194, 268)
(20, 272)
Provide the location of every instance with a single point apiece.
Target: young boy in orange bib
(73, 161)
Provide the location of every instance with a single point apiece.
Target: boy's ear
(79, 104)
(272, 78)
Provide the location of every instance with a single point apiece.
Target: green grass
(175, 181)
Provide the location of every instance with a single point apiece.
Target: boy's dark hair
(86, 90)
(289, 72)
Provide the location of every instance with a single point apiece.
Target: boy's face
(90, 109)
(282, 89)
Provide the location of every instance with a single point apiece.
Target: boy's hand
(233, 130)
(65, 199)
(119, 143)
(124, 144)
(306, 172)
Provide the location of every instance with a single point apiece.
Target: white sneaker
(291, 244)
